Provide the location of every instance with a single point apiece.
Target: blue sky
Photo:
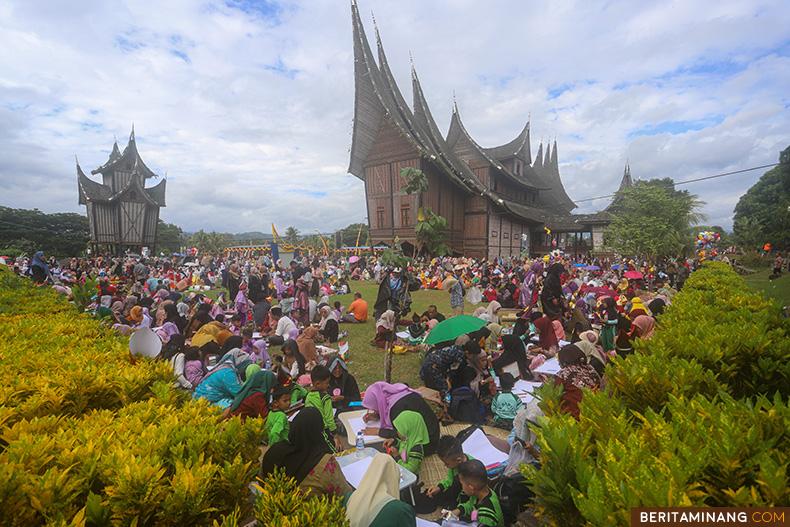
(247, 105)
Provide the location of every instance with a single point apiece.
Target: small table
(351, 434)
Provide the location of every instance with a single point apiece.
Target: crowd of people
(261, 339)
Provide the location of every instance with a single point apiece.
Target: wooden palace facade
(122, 213)
(498, 201)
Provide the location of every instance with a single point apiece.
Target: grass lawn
(778, 289)
(366, 361)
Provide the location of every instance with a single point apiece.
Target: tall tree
(652, 219)
(348, 235)
(292, 235)
(170, 238)
(209, 242)
(431, 228)
(24, 231)
(763, 213)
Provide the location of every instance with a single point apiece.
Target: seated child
(505, 404)
(277, 425)
(445, 493)
(319, 399)
(408, 448)
(338, 310)
(478, 502)
(417, 327)
(193, 367)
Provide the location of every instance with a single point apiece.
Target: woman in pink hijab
(643, 327)
(386, 401)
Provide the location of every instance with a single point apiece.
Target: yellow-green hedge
(89, 437)
(698, 416)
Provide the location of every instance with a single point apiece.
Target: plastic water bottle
(268, 364)
(360, 441)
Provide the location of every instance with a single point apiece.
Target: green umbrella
(454, 327)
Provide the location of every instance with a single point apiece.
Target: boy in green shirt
(445, 493)
(319, 399)
(505, 404)
(277, 425)
(478, 502)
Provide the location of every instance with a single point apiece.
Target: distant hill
(253, 235)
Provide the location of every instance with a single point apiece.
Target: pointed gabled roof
(625, 182)
(129, 157)
(458, 130)
(425, 120)
(157, 192)
(551, 174)
(135, 184)
(538, 164)
(90, 190)
(518, 147)
(373, 101)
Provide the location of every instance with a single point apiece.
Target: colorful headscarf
(259, 382)
(380, 396)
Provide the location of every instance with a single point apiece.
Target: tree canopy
(292, 235)
(763, 213)
(431, 228)
(169, 238)
(210, 242)
(652, 219)
(24, 231)
(348, 235)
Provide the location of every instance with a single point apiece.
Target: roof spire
(131, 135)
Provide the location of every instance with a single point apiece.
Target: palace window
(380, 218)
(405, 217)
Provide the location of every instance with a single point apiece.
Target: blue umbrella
(592, 268)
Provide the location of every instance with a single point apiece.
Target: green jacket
(323, 403)
(277, 427)
(489, 512)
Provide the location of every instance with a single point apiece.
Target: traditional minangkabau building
(497, 201)
(122, 213)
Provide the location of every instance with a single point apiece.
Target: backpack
(465, 406)
(513, 495)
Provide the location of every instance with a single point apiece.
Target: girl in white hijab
(375, 503)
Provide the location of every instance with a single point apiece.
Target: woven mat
(433, 470)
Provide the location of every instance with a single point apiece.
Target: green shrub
(698, 416)
(89, 437)
(282, 503)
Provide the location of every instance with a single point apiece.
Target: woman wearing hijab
(528, 286)
(117, 311)
(223, 383)
(513, 351)
(643, 327)
(328, 325)
(439, 365)
(574, 375)
(588, 343)
(637, 308)
(307, 457)
(343, 386)
(385, 327)
(375, 503)
(103, 310)
(489, 314)
(578, 323)
(547, 336)
(551, 296)
(39, 270)
(300, 310)
(306, 341)
(253, 398)
(386, 402)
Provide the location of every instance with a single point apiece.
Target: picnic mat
(433, 470)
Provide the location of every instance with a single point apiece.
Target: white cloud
(248, 110)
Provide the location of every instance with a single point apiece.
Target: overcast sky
(247, 106)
